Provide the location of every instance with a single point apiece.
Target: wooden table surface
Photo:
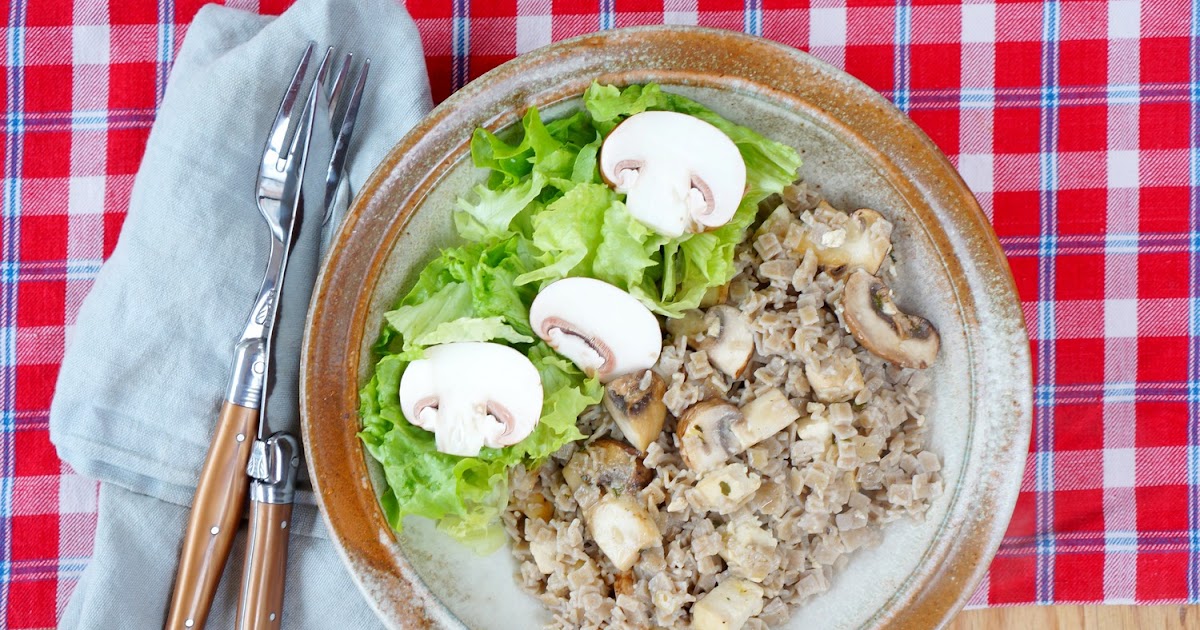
(1080, 618)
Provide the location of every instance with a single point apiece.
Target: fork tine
(279, 129)
(304, 130)
(339, 82)
(285, 161)
(347, 109)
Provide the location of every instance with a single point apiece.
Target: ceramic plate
(859, 151)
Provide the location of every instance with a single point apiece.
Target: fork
(221, 490)
(343, 113)
(274, 458)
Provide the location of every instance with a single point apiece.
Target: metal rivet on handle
(188, 623)
(214, 531)
(283, 525)
(241, 437)
(272, 617)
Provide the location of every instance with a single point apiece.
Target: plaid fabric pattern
(1075, 123)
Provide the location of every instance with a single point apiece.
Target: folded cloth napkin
(147, 363)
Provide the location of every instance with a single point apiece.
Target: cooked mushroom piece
(725, 489)
(728, 606)
(712, 431)
(730, 349)
(679, 173)
(706, 437)
(622, 528)
(861, 241)
(689, 324)
(620, 525)
(471, 395)
(764, 416)
(635, 402)
(715, 296)
(872, 317)
(836, 378)
(609, 465)
(749, 549)
(602, 329)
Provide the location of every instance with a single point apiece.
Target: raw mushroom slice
(679, 173)
(471, 395)
(635, 402)
(602, 329)
(872, 317)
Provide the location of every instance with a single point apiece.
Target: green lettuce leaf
(468, 293)
(472, 329)
(542, 214)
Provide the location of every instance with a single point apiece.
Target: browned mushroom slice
(620, 525)
(715, 295)
(877, 324)
(706, 437)
(730, 349)
(635, 402)
(860, 240)
(608, 464)
(712, 431)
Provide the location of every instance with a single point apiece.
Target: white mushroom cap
(602, 329)
(471, 395)
(678, 173)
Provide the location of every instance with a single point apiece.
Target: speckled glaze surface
(859, 151)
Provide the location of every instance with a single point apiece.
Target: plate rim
(406, 599)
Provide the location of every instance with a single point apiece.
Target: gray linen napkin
(147, 362)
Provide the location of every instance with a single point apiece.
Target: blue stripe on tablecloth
(10, 212)
(752, 16)
(460, 42)
(166, 48)
(1193, 451)
(607, 14)
(900, 66)
(1044, 399)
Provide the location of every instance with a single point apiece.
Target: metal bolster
(246, 376)
(279, 459)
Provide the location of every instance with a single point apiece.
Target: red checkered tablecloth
(1075, 123)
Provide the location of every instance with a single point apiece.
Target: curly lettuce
(542, 214)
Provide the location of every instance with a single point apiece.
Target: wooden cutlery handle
(260, 604)
(216, 510)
